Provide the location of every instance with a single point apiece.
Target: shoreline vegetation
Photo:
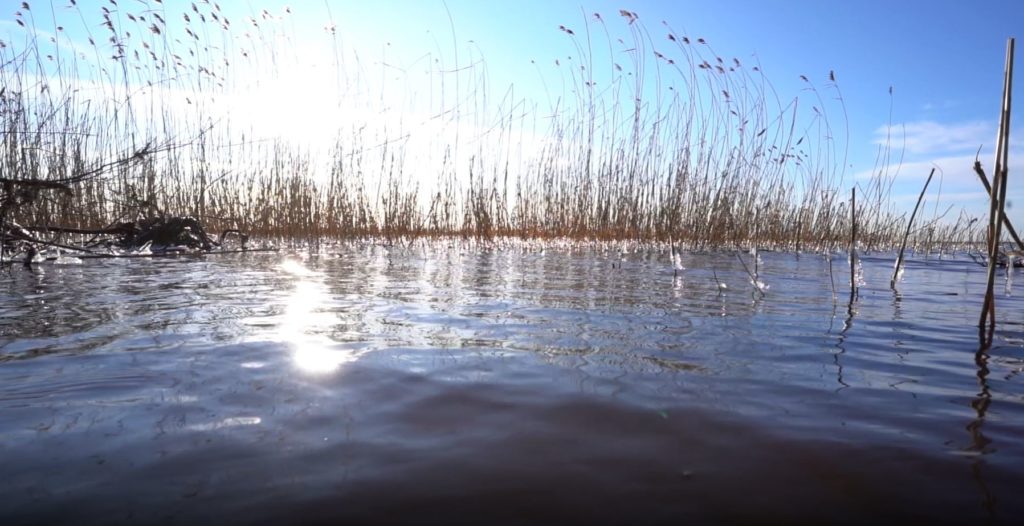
(653, 138)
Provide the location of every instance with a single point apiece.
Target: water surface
(450, 383)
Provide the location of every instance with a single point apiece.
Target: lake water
(458, 383)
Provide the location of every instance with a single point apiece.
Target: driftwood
(157, 230)
(161, 232)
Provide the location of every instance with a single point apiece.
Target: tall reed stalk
(998, 197)
(653, 136)
(910, 224)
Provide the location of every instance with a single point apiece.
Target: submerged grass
(655, 137)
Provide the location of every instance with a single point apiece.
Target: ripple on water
(454, 381)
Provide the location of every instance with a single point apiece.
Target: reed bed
(653, 136)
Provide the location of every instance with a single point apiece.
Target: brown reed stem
(910, 224)
(853, 243)
(998, 196)
(988, 189)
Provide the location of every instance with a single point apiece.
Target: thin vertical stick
(910, 224)
(853, 244)
(998, 194)
(831, 278)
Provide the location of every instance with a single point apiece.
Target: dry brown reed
(910, 224)
(671, 142)
(997, 200)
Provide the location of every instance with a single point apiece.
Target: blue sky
(943, 60)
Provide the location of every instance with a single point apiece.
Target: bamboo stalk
(910, 224)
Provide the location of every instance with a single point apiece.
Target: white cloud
(950, 148)
(959, 168)
(929, 137)
(955, 183)
(940, 105)
(957, 171)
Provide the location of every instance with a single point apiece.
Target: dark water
(439, 384)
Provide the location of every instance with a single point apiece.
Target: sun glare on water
(305, 322)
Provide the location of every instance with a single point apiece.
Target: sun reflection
(305, 321)
(318, 360)
(235, 421)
